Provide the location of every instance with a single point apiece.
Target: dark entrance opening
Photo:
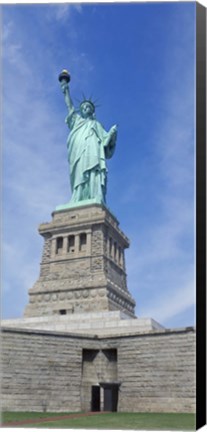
(95, 398)
(62, 312)
(110, 396)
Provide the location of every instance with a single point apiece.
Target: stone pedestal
(83, 265)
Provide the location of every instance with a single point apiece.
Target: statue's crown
(90, 102)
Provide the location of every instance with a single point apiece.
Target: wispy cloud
(24, 274)
(180, 299)
(62, 12)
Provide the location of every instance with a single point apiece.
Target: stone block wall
(41, 372)
(157, 372)
(46, 370)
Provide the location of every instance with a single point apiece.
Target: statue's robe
(88, 147)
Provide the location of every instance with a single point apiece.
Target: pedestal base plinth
(83, 265)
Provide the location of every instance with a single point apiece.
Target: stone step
(76, 318)
(103, 323)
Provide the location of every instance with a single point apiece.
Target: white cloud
(6, 30)
(24, 270)
(173, 303)
(62, 12)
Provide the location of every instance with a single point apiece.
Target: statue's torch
(64, 79)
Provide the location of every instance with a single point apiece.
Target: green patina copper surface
(88, 146)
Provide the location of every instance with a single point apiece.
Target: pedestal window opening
(71, 244)
(59, 244)
(82, 242)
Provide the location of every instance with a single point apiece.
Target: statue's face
(86, 110)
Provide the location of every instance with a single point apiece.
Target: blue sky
(138, 60)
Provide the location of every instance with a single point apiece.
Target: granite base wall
(43, 371)
(157, 372)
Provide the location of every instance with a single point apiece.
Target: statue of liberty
(88, 146)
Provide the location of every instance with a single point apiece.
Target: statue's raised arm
(64, 79)
(89, 145)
